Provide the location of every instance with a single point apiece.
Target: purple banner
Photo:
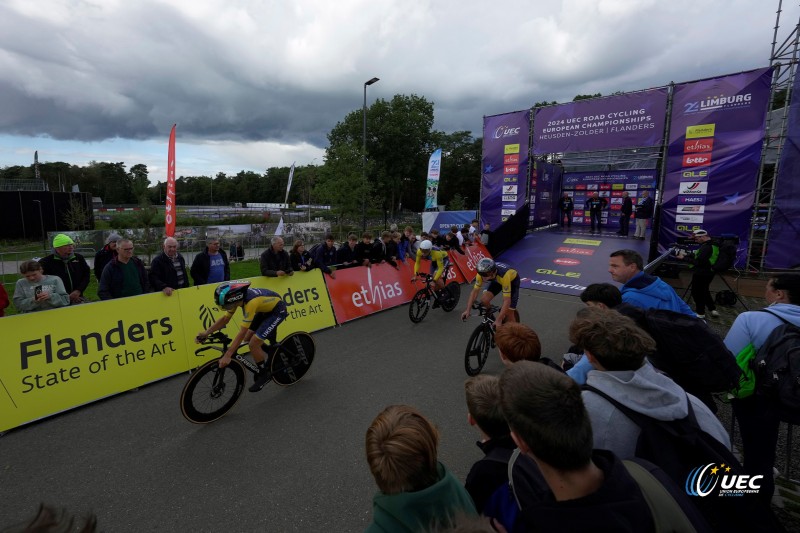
(505, 166)
(622, 121)
(544, 188)
(716, 136)
(783, 246)
(609, 185)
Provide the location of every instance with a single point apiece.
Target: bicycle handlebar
(492, 309)
(218, 337)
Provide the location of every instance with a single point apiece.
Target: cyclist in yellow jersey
(500, 277)
(439, 261)
(263, 310)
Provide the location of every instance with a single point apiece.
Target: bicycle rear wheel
(477, 351)
(212, 391)
(293, 358)
(453, 290)
(419, 306)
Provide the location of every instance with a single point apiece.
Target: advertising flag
(716, 137)
(169, 201)
(280, 229)
(289, 184)
(432, 185)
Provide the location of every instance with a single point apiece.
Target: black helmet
(230, 292)
(486, 266)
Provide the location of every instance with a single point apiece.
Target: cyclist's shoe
(262, 378)
(435, 302)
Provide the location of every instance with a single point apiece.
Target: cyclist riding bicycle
(500, 277)
(439, 261)
(263, 310)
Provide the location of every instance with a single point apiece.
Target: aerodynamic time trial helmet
(230, 292)
(486, 266)
(426, 246)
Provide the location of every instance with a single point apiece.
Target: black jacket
(162, 273)
(271, 262)
(347, 257)
(627, 206)
(645, 208)
(201, 267)
(101, 259)
(111, 279)
(74, 271)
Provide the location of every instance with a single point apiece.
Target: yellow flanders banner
(59, 359)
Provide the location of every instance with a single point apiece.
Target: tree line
(400, 140)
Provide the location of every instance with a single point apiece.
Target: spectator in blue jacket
(324, 256)
(641, 289)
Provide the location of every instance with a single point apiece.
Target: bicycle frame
(220, 338)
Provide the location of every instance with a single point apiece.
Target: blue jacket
(753, 327)
(324, 257)
(650, 292)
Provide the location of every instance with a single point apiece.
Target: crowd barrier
(63, 358)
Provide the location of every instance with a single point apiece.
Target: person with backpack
(616, 347)
(702, 261)
(759, 414)
(637, 412)
(583, 488)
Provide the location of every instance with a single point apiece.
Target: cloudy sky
(254, 84)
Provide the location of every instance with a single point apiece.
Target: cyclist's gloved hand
(201, 337)
(465, 315)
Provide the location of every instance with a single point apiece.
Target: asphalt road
(285, 459)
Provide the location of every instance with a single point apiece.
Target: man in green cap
(69, 266)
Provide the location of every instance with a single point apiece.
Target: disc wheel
(477, 351)
(212, 391)
(419, 306)
(453, 290)
(293, 358)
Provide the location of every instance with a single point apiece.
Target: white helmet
(426, 246)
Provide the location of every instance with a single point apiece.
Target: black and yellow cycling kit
(263, 310)
(506, 280)
(439, 261)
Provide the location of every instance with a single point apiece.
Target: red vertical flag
(169, 205)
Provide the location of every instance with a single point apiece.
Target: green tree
(399, 142)
(461, 168)
(138, 177)
(585, 96)
(339, 181)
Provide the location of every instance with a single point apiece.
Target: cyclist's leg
(267, 331)
(491, 291)
(514, 316)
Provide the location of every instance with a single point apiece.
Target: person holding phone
(36, 291)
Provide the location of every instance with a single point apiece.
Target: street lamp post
(364, 159)
(41, 224)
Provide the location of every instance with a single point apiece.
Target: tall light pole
(41, 224)
(364, 159)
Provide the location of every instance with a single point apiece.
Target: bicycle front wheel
(212, 391)
(477, 351)
(293, 358)
(419, 306)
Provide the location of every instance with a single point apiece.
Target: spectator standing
(641, 289)
(274, 261)
(239, 251)
(105, 254)
(644, 212)
(364, 249)
(565, 207)
(124, 275)
(324, 256)
(36, 291)
(299, 258)
(486, 234)
(416, 491)
(233, 251)
(473, 229)
(72, 268)
(702, 274)
(625, 214)
(3, 300)
(758, 416)
(485, 413)
(211, 265)
(595, 205)
(168, 269)
(590, 490)
(346, 254)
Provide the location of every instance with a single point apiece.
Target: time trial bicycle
(213, 391)
(424, 298)
(481, 340)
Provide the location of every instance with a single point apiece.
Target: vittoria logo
(694, 187)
